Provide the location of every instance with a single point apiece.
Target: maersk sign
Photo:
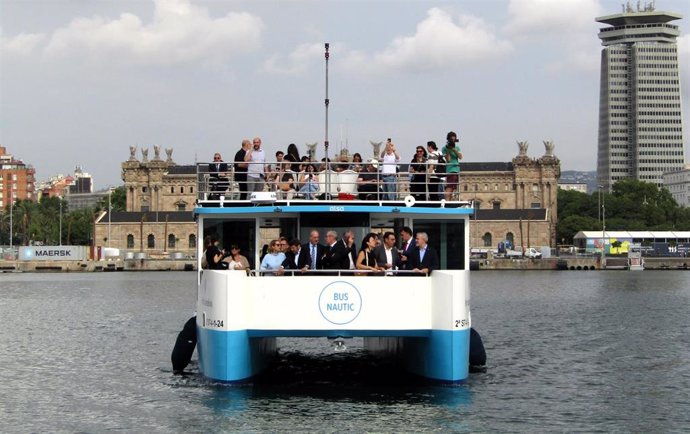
(53, 253)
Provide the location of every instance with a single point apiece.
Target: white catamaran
(424, 320)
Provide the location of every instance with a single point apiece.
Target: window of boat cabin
(334, 221)
(241, 232)
(447, 238)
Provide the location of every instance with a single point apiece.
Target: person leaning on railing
(218, 180)
(366, 260)
(308, 182)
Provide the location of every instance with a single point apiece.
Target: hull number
(214, 322)
(461, 323)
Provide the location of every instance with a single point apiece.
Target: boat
(423, 320)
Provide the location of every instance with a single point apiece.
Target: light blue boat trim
(332, 207)
(443, 356)
(235, 356)
(232, 356)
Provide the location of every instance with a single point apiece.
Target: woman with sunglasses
(418, 174)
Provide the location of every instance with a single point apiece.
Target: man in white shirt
(256, 170)
(387, 254)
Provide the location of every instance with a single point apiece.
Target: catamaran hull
(424, 321)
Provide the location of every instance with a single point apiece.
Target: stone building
(514, 201)
(160, 198)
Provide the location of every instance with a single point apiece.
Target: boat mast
(325, 143)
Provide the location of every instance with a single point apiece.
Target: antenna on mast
(325, 142)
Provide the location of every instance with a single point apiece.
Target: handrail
(349, 181)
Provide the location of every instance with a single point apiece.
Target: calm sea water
(567, 351)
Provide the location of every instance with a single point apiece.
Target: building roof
(631, 18)
(187, 169)
(511, 214)
(487, 167)
(147, 217)
(633, 234)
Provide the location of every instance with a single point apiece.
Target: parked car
(530, 252)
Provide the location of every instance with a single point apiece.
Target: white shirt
(256, 165)
(389, 255)
(389, 164)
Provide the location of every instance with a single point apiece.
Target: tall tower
(640, 120)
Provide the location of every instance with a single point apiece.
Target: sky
(83, 80)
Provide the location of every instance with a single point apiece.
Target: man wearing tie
(218, 181)
(314, 249)
(407, 247)
(423, 259)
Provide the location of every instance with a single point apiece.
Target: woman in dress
(366, 259)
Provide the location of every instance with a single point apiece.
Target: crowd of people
(433, 174)
(377, 254)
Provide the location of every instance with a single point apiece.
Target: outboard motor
(477, 353)
(184, 347)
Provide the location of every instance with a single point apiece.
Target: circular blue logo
(340, 302)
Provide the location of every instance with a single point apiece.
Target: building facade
(678, 183)
(515, 201)
(640, 115)
(17, 179)
(158, 219)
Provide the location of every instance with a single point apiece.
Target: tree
(118, 200)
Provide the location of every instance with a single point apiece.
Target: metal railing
(318, 181)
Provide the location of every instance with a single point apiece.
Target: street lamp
(110, 193)
(60, 199)
(603, 231)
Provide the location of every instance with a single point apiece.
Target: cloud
(568, 24)
(21, 44)
(297, 61)
(180, 32)
(439, 42)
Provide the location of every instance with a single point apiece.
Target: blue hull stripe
(233, 356)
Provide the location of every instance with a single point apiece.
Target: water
(568, 351)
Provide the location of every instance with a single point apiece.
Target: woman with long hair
(308, 182)
(273, 261)
(356, 162)
(293, 157)
(366, 259)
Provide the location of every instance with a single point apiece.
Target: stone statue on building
(156, 152)
(522, 145)
(144, 155)
(168, 153)
(377, 148)
(549, 145)
(132, 153)
(311, 150)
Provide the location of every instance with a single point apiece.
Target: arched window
(487, 239)
(130, 241)
(510, 238)
(181, 189)
(151, 241)
(192, 241)
(171, 241)
(172, 189)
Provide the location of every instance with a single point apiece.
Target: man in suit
(423, 259)
(386, 254)
(314, 249)
(217, 173)
(406, 248)
(349, 242)
(335, 253)
(296, 258)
